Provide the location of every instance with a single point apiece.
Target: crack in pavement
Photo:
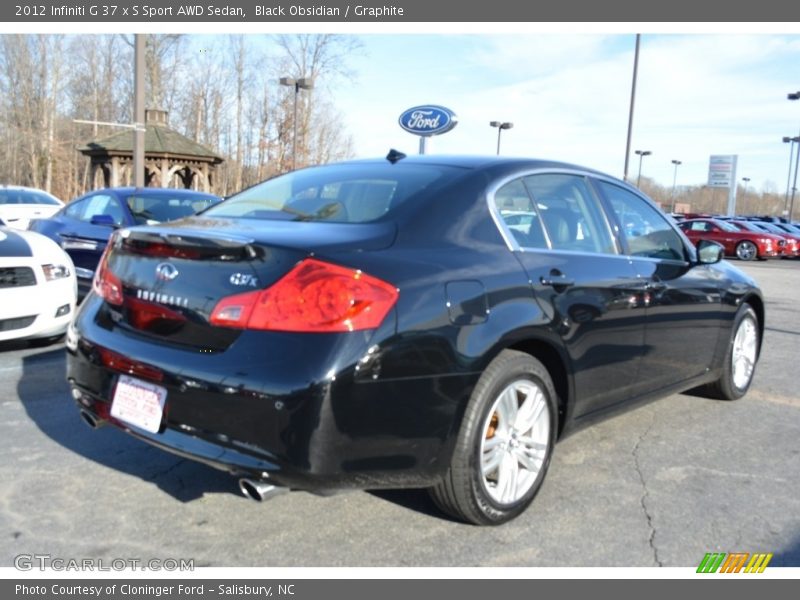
(645, 493)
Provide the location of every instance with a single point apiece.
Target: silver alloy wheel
(515, 441)
(743, 356)
(746, 251)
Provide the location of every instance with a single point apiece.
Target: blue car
(83, 226)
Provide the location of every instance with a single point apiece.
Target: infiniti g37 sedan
(424, 321)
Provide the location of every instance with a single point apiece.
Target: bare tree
(323, 58)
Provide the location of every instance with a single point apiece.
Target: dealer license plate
(138, 403)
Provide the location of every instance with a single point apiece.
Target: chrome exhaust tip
(259, 490)
(91, 420)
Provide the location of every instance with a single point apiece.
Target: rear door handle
(557, 281)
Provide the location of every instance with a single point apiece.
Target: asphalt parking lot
(661, 485)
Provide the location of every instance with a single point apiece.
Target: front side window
(570, 213)
(646, 230)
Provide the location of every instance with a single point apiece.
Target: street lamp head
(676, 162)
(643, 152)
(501, 124)
(794, 96)
(304, 83)
(745, 179)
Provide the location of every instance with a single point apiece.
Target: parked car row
(745, 240)
(54, 261)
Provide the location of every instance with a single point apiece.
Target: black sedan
(84, 225)
(379, 324)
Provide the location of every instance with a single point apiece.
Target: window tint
(646, 230)
(516, 208)
(12, 196)
(570, 213)
(98, 204)
(160, 206)
(339, 193)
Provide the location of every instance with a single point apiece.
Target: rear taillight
(105, 284)
(314, 296)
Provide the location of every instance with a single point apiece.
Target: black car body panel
(383, 407)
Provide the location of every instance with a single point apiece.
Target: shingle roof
(158, 141)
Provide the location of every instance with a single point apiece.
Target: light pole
(630, 112)
(674, 180)
(304, 83)
(642, 154)
(791, 141)
(500, 126)
(744, 193)
(794, 96)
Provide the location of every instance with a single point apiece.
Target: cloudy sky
(568, 97)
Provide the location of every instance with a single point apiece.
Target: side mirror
(709, 253)
(106, 220)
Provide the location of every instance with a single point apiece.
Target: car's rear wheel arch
(555, 363)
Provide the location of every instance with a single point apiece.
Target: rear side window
(158, 207)
(338, 193)
(516, 208)
(646, 230)
(570, 213)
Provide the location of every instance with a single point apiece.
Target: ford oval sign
(428, 120)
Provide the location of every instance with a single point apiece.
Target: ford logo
(428, 120)
(166, 271)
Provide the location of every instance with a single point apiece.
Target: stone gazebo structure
(171, 159)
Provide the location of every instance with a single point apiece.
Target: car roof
(474, 162)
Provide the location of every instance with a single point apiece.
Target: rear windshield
(10, 196)
(337, 193)
(160, 206)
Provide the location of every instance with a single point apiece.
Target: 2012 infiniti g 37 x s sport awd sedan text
(425, 321)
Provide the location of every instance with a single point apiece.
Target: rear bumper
(299, 417)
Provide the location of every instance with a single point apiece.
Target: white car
(38, 288)
(18, 205)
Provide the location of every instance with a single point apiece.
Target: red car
(744, 245)
(792, 247)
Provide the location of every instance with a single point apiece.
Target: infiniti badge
(166, 271)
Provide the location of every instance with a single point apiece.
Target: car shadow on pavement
(413, 499)
(46, 399)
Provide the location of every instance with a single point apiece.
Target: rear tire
(505, 443)
(740, 358)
